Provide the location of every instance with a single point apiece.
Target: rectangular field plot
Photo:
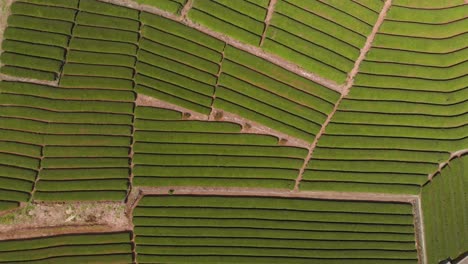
(445, 212)
(177, 64)
(82, 135)
(242, 19)
(169, 151)
(322, 37)
(68, 248)
(103, 47)
(246, 229)
(36, 38)
(270, 95)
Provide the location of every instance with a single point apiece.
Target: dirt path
(454, 155)
(346, 88)
(419, 231)
(271, 10)
(185, 10)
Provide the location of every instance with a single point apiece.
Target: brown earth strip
(419, 231)
(454, 155)
(185, 10)
(271, 10)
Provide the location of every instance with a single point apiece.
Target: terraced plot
(445, 209)
(407, 111)
(324, 37)
(177, 64)
(170, 151)
(242, 19)
(36, 39)
(209, 229)
(85, 248)
(268, 94)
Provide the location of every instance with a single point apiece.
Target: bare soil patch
(49, 218)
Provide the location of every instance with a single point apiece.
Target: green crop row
(397, 82)
(20, 148)
(180, 43)
(33, 36)
(99, 162)
(302, 60)
(14, 196)
(233, 250)
(28, 73)
(168, 97)
(60, 3)
(338, 30)
(322, 40)
(448, 133)
(92, 19)
(270, 243)
(347, 14)
(22, 88)
(16, 184)
(274, 99)
(149, 171)
(75, 56)
(445, 214)
(17, 173)
(83, 173)
(170, 88)
(234, 150)
(177, 67)
(36, 50)
(40, 24)
(82, 185)
(183, 32)
(409, 120)
(64, 117)
(49, 12)
(278, 203)
(274, 214)
(30, 62)
(69, 106)
(86, 151)
(80, 196)
(307, 55)
(358, 165)
(206, 138)
(444, 74)
(7, 205)
(426, 45)
(179, 56)
(423, 15)
(103, 8)
(70, 81)
(424, 30)
(227, 28)
(375, 142)
(243, 15)
(19, 161)
(187, 126)
(216, 182)
(108, 34)
(320, 176)
(98, 70)
(103, 46)
(228, 101)
(153, 113)
(174, 78)
(366, 187)
(280, 75)
(215, 160)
